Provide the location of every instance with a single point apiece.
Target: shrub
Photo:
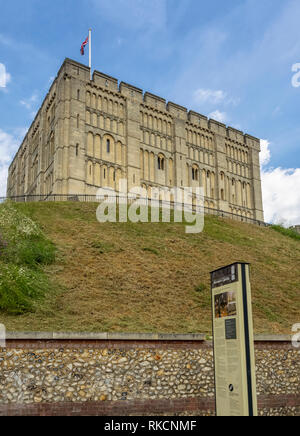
(3, 245)
(20, 288)
(15, 225)
(24, 242)
(23, 249)
(31, 252)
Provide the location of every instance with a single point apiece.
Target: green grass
(102, 247)
(20, 288)
(23, 251)
(286, 232)
(152, 277)
(151, 250)
(32, 252)
(201, 288)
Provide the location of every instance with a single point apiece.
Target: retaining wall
(113, 375)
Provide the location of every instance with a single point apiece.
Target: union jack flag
(83, 45)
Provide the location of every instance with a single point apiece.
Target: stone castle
(92, 133)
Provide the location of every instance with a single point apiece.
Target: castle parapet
(235, 135)
(177, 111)
(217, 127)
(130, 91)
(252, 142)
(198, 119)
(105, 81)
(155, 101)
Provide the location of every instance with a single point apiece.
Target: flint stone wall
(134, 376)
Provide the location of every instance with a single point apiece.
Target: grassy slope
(143, 277)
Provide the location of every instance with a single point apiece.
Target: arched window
(78, 94)
(77, 149)
(195, 173)
(108, 146)
(161, 163)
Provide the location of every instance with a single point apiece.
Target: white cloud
(206, 97)
(265, 155)
(209, 96)
(9, 144)
(219, 116)
(281, 193)
(3, 180)
(30, 102)
(5, 77)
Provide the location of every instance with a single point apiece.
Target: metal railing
(86, 198)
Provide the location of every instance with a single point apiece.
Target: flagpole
(90, 52)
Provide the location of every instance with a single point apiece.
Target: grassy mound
(148, 277)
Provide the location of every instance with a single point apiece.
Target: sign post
(235, 380)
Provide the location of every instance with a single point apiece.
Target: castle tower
(91, 133)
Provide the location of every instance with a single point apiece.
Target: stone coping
(104, 336)
(129, 337)
(272, 338)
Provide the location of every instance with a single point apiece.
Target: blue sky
(228, 60)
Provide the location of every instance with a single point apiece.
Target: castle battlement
(106, 81)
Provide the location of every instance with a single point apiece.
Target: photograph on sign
(224, 276)
(225, 304)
